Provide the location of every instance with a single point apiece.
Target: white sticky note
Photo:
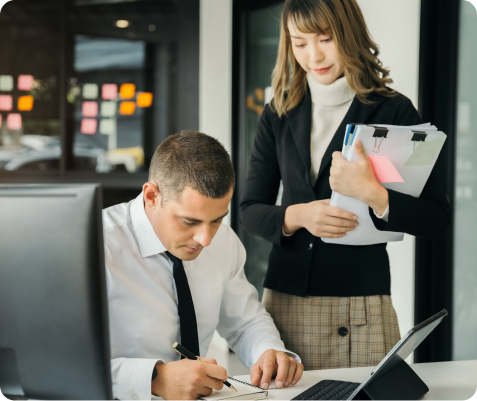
(6, 83)
(425, 153)
(90, 91)
(107, 126)
(108, 109)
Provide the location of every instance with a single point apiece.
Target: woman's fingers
(343, 214)
(338, 222)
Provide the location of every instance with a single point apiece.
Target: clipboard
(403, 158)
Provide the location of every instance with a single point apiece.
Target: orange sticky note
(0, 121)
(127, 91)
(89, 126)
(14, 121)
(127, 108)
(384, 170)
(25, 103)
(144, 99)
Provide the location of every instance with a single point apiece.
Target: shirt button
(135, 397)
(343, 331)
(310, 246)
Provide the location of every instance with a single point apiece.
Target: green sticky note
(425, 153)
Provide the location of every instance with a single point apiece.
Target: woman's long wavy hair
(358, 52)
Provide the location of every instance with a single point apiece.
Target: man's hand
(186, 379)
(276, 363)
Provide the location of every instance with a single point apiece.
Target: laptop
(391, 379)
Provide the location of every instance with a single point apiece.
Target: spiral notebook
(245, 391)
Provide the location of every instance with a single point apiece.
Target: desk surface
(446, 380)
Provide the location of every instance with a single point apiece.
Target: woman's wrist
(291, 220)
(377, 198)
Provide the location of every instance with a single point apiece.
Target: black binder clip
(379, 133)
(417, 137)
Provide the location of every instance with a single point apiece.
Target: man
(175, 273)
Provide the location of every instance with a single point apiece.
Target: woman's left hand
(357, 180)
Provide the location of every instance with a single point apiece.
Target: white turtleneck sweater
(330, 103)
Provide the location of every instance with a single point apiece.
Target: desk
(446, 380)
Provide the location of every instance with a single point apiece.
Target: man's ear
(152, 196)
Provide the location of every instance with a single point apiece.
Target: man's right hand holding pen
(187, 379)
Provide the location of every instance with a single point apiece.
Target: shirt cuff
(285, 234)
(134, 379)
(384, 216)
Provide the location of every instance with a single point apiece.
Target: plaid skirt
(335, 332)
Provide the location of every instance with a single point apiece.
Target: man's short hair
(192, 159)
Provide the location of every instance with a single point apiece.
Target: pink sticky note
(90, 109)
(110, 91)
(14, 121)
(89, 126)
(6, 102)
(25, 82)
(384, 170)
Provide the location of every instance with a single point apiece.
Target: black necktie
(188, 321)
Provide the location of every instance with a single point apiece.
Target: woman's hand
(357, 180)
(320, 219)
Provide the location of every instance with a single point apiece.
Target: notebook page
(244, 392)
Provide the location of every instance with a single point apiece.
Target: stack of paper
(402, 158)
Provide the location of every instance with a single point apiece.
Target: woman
(330, 302)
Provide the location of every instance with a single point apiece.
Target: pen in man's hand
(189, 355)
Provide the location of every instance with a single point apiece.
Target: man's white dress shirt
(142, 298)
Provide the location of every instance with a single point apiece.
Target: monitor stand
(401, 383)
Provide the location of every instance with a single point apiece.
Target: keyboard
(329, 390)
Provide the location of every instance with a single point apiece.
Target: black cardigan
(303, 264)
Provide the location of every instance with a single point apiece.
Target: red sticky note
(89, 126)
(384, 170)
(14, 121)
(25, 82)
(90, 109)
(110, 91)
(6, 102)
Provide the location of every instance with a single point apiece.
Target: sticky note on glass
(6, 102)
(144, 99)
(89, 126)
(90, 91)
(14, 121)
(127, 108)
(25, 103)
(425, 153)
(108, 109)
(109, 91)
(6, 83)
(25, 82)
(127, 91)
(90, 109)
(107, 126)
(384, 170)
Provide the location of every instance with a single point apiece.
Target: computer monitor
(54, 337)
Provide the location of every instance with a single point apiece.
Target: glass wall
(119, 95)
(29, 98)
(465, 223)
(262, 36)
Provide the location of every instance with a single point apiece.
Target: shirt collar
(147, 239)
